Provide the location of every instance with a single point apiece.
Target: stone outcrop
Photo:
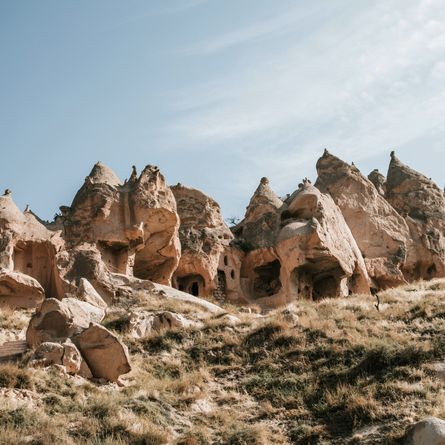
(28, 247)
(103, 352)
(206, 264)
(18, 290)
(57, 320)
(311, 255)
(134, 225)
(378, 180)
(422, 203)
(381, 233)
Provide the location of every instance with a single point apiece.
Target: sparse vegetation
(345, 373)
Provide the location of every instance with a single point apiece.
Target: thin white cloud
(263, 28)
(386, 58)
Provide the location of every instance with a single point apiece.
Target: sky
(217, 93)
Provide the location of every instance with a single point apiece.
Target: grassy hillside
(332, 372)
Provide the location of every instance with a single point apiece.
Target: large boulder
(142, 324)
(430, 431)
(103, 352)
(86, 292)
(381, 233)
(422, 203)
(57, 320)
(18, 290)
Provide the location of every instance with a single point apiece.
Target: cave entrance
(313, 281)
(192, 284)
(267, 279)
(114, 255)
(38, 261)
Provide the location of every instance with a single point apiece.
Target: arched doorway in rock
(267, 279)
(317, 280)
(192, 284)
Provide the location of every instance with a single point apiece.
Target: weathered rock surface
(57, 320)
(134, 225)
(142, 324)
(422, 203)
(378, 180)
(381, 233)
(430, 431)
(48, 353)
(86, 292)
(18, 290)
(103, 352)
(312, 254)
(121, 240)
(28, 247)
(205, 239)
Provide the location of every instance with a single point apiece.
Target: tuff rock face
(422, 203)
(381, 233)
(378, 180)
(309, 251)
(122, 240)
(133, 225)
(204, 267)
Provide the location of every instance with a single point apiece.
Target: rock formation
(133, 225)
(124, 240)
(380, 231)
(208, 265)
(378, 180)
(422, 203)
(308, 252)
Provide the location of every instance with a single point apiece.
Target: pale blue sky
(217, 93)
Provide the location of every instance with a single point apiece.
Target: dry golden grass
(342, 373)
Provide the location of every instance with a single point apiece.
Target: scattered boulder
(18, 290)
(86, 292)
(48, 353)
(430, 431)
(103, 352)
(142, 324)
(57, 320)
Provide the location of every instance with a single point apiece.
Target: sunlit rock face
(134, 225)
(381, 233)
(347, 234)
(307, 250)
(27, 257)
(422, 203)
(208, 265)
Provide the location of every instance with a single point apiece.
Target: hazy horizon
(217, 94)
